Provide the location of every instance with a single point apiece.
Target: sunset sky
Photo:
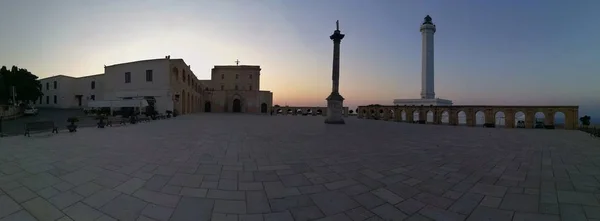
(530, 52)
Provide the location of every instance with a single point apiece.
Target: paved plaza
(278, 168)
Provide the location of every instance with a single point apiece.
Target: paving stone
(251, 217)
(437, 201)
(535, 217)
(389, 212)
(250, 186)
(65, 199)
(490, 201)
(359, 213)
(312, 189)
(63, 186)
(21, 194)
(440, 214)
(570, 212)
(580, 198)
(79, 177)
(42, 209)
(225, 194)
(209, 185)
(131, 185)
(333, 202)
(230, 206)
(80, 211)
(410, 206)
(355, 189)
(257, 202)
(8, 206)
(193, 192)
(280, 216)
(295, 180)
(186, 180)
(369, 200)
(340, 184)
(228, 184)
(277, 190)
(452, 194)
(157, 182)
(547, 208)
(486, 213)
(191, 209)
(124, 207)
(22, 215)
(387, 196)
(490, 190)
(170, 189)
(278, 205)
(87, 189)
(158, 198)
(224, 217)
(40, 181)
(336, 217)
(520, 203)
(98, 199)
(157, 212)
(592, 212)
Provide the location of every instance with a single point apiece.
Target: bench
(110, 120)
(40, 126)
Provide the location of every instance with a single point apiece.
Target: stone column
(335, 101)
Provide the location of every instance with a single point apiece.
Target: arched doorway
(207, 106)
(237, 105)
(263, 108)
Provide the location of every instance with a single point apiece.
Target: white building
(168, 84)
(427, 77)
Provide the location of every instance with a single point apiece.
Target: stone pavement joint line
(255, 167)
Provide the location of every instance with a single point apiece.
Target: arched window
(93, 85)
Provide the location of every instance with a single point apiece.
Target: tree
(28, 88)
(276, 106)
(585, 120)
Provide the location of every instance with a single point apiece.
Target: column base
(335, 103)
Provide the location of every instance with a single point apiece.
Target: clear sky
(486, 52)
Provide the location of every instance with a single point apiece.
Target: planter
(72, 128)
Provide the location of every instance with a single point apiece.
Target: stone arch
(539, 120)
(403, 116)
(416, 115)
(461, 117)
(559, 119)
(392, 115)
(299, 111)
(289, 111)
(445, 117)
(308, 111)
(381, 113)
(430, 116)
(520, 119)
(500, 119)
(207, 107)
(279, 111)
(479, 117)
(319, 112)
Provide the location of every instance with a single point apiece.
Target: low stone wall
(8, 112)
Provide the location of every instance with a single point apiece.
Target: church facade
(167, 84)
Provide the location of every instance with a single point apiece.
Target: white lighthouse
(427, 82)
(427, 70)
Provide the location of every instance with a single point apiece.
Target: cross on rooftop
(237, 62)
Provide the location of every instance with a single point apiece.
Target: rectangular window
(237, 76)
(236, 87)
(93, 85)
(47, 85)
(250, 76)
(55, 84)
(127, 77)
(250, 87)
(55, 100)
(222, 76)
(222, 87)
(149, 75)
(47, 99)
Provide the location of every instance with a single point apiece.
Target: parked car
(30, 111)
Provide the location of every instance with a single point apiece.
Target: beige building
(167, 84)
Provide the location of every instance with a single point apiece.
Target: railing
(593, 131)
